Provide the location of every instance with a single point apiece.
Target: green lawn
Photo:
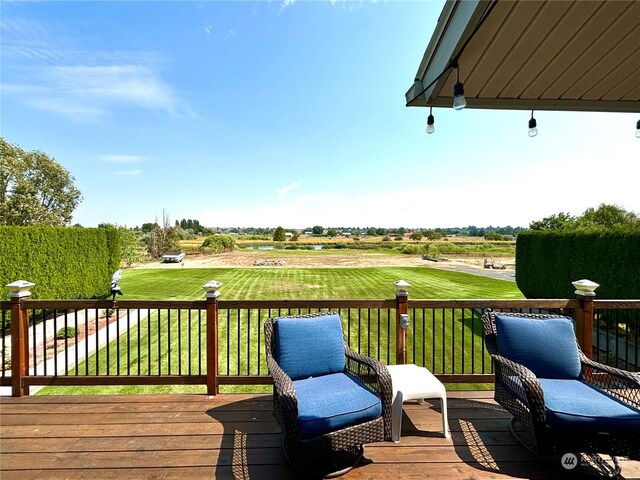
(311, 283)
(154, 341)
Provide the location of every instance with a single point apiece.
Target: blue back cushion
(546, 347)
(309, 347)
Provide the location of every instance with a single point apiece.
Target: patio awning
(534, 55)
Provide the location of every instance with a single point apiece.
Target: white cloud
(46, 72)
(122, 158)
(286, 4)
(88, 93)
(285, 190)
(129, 173)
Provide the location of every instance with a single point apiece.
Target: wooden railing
(217, 342)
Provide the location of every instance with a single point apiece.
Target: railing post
(402, 320)
(213, 292)
(585, 291)
(19, 336)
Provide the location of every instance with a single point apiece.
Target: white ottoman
(411, 382)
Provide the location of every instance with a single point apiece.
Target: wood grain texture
(235, 437)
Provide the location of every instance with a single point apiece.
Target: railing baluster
(473, 340)
(248, 342)
(128, 343)
(238, 335)
(159, 344)
(149, 352)
(453, 340)
(169, 342)
(76, 333)
(117, 341)
(189, 341)
(106, 331)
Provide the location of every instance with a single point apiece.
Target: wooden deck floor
(235, 437)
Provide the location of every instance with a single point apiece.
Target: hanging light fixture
(430, 122)
(638, 129)
(459, 102)
(533, 126)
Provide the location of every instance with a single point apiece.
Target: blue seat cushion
(333, 402)
(309, 347)
(547, 347)
(574, 405)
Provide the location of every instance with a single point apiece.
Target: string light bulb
(459, 102)
(430, 122)
(533, 126)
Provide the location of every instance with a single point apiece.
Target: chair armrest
(523, 384)
(375, 376)
(619, 383)
(285, 402)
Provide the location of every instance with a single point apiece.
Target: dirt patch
(342, 259)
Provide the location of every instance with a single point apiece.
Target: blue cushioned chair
(328, 399)
(566, 402)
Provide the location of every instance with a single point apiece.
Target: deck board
(235, 437)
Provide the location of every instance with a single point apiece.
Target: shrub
(218, 243)
(63, 262)
(547, 261)
(414, 249)
(66, 332)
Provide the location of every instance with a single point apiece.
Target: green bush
(63, 262)
(414, 249)
(218, 243)
(66, 332)
(547, 261)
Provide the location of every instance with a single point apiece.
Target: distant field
(451, 246)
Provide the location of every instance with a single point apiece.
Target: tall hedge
(547, 261)
(63, 262)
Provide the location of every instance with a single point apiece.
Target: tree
(417, 236)
(279, 235)
(332, 232)
(130, 246)
(317, 230)
(162, 239)
(295, 236)
(34, 188)
(608, 216)
(560, 221)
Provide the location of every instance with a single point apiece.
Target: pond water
(277, 247)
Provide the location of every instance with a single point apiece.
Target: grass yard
(316, 283)
(239, 331)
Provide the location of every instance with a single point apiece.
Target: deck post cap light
(585, 288)
(212, 289)
(402, 288)
(20, 288)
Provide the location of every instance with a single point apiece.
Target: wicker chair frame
(518, 390)
(327, 453)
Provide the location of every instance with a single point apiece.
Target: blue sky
(284, 113)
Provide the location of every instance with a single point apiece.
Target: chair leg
(445, 420)
(396, 417)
